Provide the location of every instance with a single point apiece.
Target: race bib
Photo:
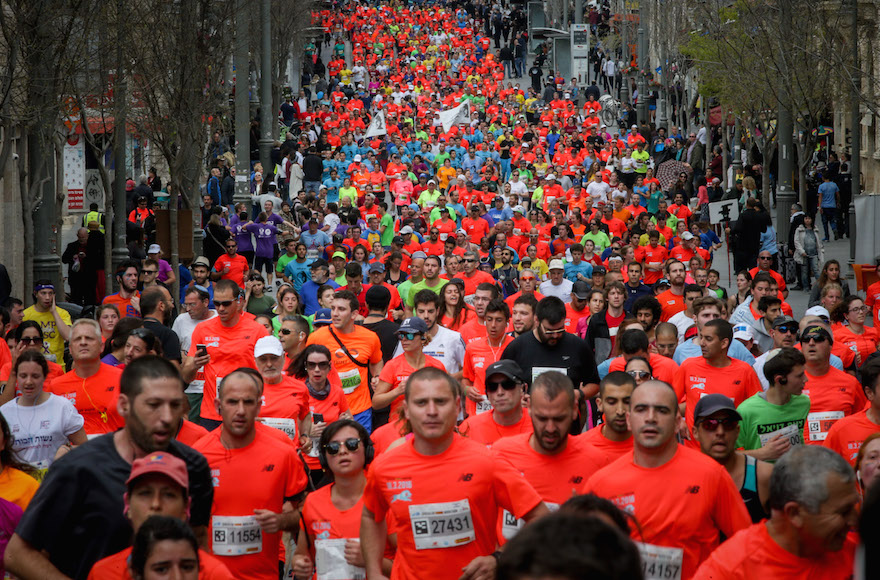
(484, 406)
(236, 535)
(660, 562)
(820, 423)
(510, 525)
(442, 525)
(443, 237)
(286, 425)
(789, 431)
(538, 371)
(351, 380)
(312, 254)
(330, 561)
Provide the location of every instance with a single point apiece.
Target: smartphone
(201, 350)
(317, 417)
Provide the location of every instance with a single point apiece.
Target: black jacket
(313, 168)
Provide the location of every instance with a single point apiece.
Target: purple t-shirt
(265, 234)
(242, 236)
(164, 270)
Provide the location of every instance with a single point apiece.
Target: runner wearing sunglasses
(505, 389)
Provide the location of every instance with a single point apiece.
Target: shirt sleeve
(296, 480)
(71, 420)
(374, 499)
(512, 491)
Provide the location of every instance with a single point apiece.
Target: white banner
(377, 126)
(460, 114)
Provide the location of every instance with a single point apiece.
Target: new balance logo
(576, 479)
(269, 467)
(466, 477)
(693, 489)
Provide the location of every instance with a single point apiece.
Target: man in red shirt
(475, 226)
(613, 437)
(680, 209)
(505, 388)
(652, 257)
(471, 276)
(616, 227)
(846, 435)
(231, 266)
(765, 261)
(543, 248)
(672, 300)
(688, 249)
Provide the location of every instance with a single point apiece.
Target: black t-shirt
(387, 332)
(571, 355)
(77, 513)
(169, 339)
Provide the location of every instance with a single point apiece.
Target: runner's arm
(373, 537)
(25, 561)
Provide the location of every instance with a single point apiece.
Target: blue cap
(413, 324)
(322, 316)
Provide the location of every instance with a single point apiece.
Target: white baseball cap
(357, 158)
(556, 265)
(154, 249)
(743, 332)
(268, 345)
(817, 311)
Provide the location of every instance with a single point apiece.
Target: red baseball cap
(160, 462)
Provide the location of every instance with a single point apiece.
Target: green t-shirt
(643, 158)
(435, 214)
(283, 260)
(600, 240)
(260, 305)
(403, 289)
(761, 417)
(388, 234)
(415, 288)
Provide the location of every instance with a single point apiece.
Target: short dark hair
(767, 302)
(350, 296)
(553, 384)
(488, 287)
(690, 288)
(869, 373)
(25, 324)
(528, 300)
(761, 277)
(633, 340)
(648, 303)
(301, 324)
(427, 297)
(782, 362)
(722, 328)
(150, 299)
(618, 379)
(154, 530)
(354, 270)
(125, 265)
(377, 298)
(131, 383)
(498, 305)
(550, 309)
(227, 286)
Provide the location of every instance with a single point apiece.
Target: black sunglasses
(224, 303)
(729, 423)
(31, 340)
(785, 329)
(323, 365)
(334, 447)
(507, 385)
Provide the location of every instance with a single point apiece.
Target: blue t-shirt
(572, 270)
(298, 273)
(827, 193)
(309, 294)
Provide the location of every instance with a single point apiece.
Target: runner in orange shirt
(258, 481)
(329, 530)
(613, 437)
(714, 372)
(682, 499)
(128, 299)
(672, 300)
(505, 388)
(476, 327)
(220, 345)
(443, 490)
(285, 401)
(652, 256)
(634, 342)
(833, 393)
(846, 435)
(158, 486)
(92, 386)
(850, 330)
(555, 463)
(804, 538)
(231, 265)
(389, 390)
(481, 353)
(356, 352)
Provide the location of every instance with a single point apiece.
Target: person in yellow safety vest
(94, 216)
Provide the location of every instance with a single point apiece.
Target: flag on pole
(460, 114)
(377, 126)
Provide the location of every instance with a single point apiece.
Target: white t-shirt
(627, 165)
(446, 346)
(682, 322)
(40, 430)
(563, 291)
(598, 191)
(332, 220)
(519, 188)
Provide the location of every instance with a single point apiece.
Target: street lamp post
(642, 105)
(267, 119)
(242, 110)
(855, 161)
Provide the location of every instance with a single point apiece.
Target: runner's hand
(683, 431)
(302, 566)
(473, 395)
(776, 447)
(480, 568)
(269, 521)
(353, 554)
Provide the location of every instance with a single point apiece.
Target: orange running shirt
(123, 304)
(230, 347)
(752, 553)
(483, 429)
(696, 378)
(285, 404)
(833, 396)
(572, 317)
(612, 449)
(363, 344)
(556, 478)
(671, 304)
(189, 432)
(262, 475)
(115, 567)
(238, 267)
(94, 398)
(864, 344)
(648, 254)
(451, 498)
(387, 434)
(323, 522)
(397, 370)
(682, 505)
(472, 330)
(846, 435)
(478, 356)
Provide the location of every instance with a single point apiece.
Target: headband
(39, 287)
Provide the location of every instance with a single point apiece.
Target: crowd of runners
(449, 342)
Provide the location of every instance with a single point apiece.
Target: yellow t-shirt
(17, 486)
(53, 343)
(540, 268)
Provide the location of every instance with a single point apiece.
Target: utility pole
(578, 11)
(855, 161)
(120, 90)
(267, 119)
(642, 105)
(624, 76)
(737, 151)
(785, 194)
(241, 59)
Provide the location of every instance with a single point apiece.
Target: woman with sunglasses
(639, 369)
(28, 336)
(455, 311)
(327, 402)
(862, 340)
(42, 422)
(392, 380)
(141, 342)
(346, 450)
